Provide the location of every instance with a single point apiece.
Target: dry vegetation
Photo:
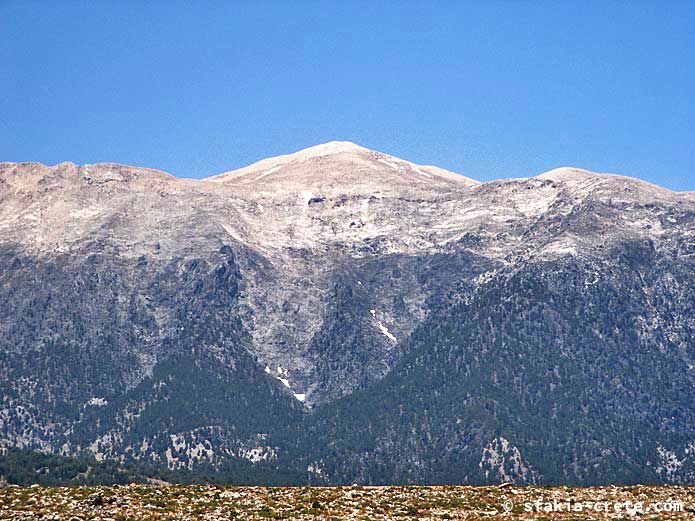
(148, 502)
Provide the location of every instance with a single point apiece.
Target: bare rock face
(332, 293)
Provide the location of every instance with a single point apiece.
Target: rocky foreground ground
(149, 502)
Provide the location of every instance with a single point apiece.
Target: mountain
(340, 315)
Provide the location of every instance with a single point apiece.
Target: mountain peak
(341, 161)
(272, 164)
(330, 148)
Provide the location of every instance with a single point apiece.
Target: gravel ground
(149, 502)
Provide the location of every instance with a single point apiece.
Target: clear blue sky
(484, 88)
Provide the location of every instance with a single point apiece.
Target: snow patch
(279, 374)
(384, 330)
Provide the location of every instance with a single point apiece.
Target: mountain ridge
(334, 148)
(347, 318)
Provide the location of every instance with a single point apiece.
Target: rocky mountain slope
(340, 315)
